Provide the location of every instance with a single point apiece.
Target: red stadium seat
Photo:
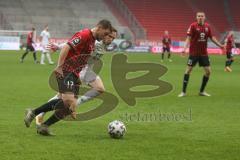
(159, 15)
(235, 12)
(175, 16)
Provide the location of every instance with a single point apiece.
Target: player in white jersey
(44, 40)
(87, 75)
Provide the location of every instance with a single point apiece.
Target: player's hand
(73, 109)
(223, 47)
(55, 46)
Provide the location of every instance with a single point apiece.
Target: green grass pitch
(211, 133)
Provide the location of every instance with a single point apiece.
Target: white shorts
(44, 48)
(87, 75)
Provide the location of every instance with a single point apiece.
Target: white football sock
(49, 58)
(42, 58)
(88, 96)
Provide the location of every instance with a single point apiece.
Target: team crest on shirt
(206, 29)
(76, 41)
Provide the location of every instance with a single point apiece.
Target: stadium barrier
(144, 46)
(9, 43)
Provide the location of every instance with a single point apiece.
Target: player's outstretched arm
(225, 42)
(187, 42)
(62, 57)
(214, 40)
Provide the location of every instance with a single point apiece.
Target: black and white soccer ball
(116, 129)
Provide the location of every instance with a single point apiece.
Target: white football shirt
(45, 37)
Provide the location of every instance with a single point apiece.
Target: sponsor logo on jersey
(76, 41)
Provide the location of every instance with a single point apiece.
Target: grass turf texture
(212, 133)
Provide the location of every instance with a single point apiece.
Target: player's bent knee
(208, 73)
(98, 86)
(188, 71)
(100, 89)
(68, 98)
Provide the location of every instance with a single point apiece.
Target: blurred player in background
(197, 36)
(87, 75)
(166, 42)
(229, 44)
(44, 40)
(30, 42)
(73, 57)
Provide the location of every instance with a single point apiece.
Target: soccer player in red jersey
(87, 75)
(229, 44)
(166, 42)
(197, 36)
(30, 47)
(73, 57)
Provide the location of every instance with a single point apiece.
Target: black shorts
(203, 61)
(229, 55)
(30, 47)
(68, 83)
(166, 49)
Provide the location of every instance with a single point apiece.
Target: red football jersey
(82, 44)
(199, 38)
(166, 41)
(30, 38)
(230, 42)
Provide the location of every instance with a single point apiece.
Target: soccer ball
(116, 129)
